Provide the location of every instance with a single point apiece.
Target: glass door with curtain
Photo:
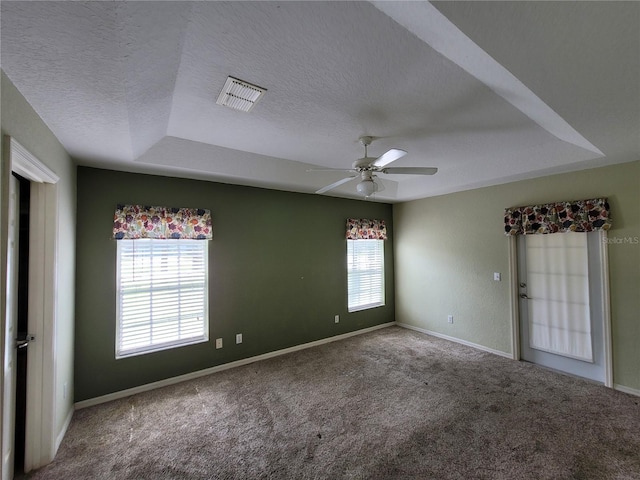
(560, 302)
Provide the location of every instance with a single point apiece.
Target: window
(365, 274)
(162, 295)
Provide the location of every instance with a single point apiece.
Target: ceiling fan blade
(350, 170)
(335, 184)
(388, 157)
(410, 170)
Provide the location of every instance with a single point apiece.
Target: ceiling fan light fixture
(240, 95)
(367, 187)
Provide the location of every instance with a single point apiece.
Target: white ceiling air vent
(240, 95)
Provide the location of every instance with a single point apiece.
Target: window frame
(379, 270)
(151, 347)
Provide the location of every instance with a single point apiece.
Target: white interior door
(560, 282)
(9, 406)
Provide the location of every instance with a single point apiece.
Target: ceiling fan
(366, 168)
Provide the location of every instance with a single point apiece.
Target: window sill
(365, 307)
(161, 347)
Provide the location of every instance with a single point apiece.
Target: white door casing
(10, 354)
(599, 368)
(41, 366)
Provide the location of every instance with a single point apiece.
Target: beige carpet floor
(390, 404)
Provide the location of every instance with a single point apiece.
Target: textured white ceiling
(488, 92)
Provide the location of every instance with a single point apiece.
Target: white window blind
(162, 294)
(365, 274)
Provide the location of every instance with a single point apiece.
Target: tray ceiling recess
(487, 92)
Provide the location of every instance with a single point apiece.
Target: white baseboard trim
(219, 368)
(63, 431)
(624, 389)
(456, 340)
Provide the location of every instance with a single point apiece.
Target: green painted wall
(447, 248)
(277, 268)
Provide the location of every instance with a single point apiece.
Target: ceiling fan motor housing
(364, 163)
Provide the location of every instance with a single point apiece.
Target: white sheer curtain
(558, 290)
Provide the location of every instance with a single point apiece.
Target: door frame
(606, 301)
(10, 289)
(41, 361)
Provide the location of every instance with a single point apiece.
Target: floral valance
(137, 221)
(365, 229)
(576, 216)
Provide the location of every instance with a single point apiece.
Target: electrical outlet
(450, 318)
(337, 318)
(218, 343)
(65, 388)
(496, 276)
(238, 338)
